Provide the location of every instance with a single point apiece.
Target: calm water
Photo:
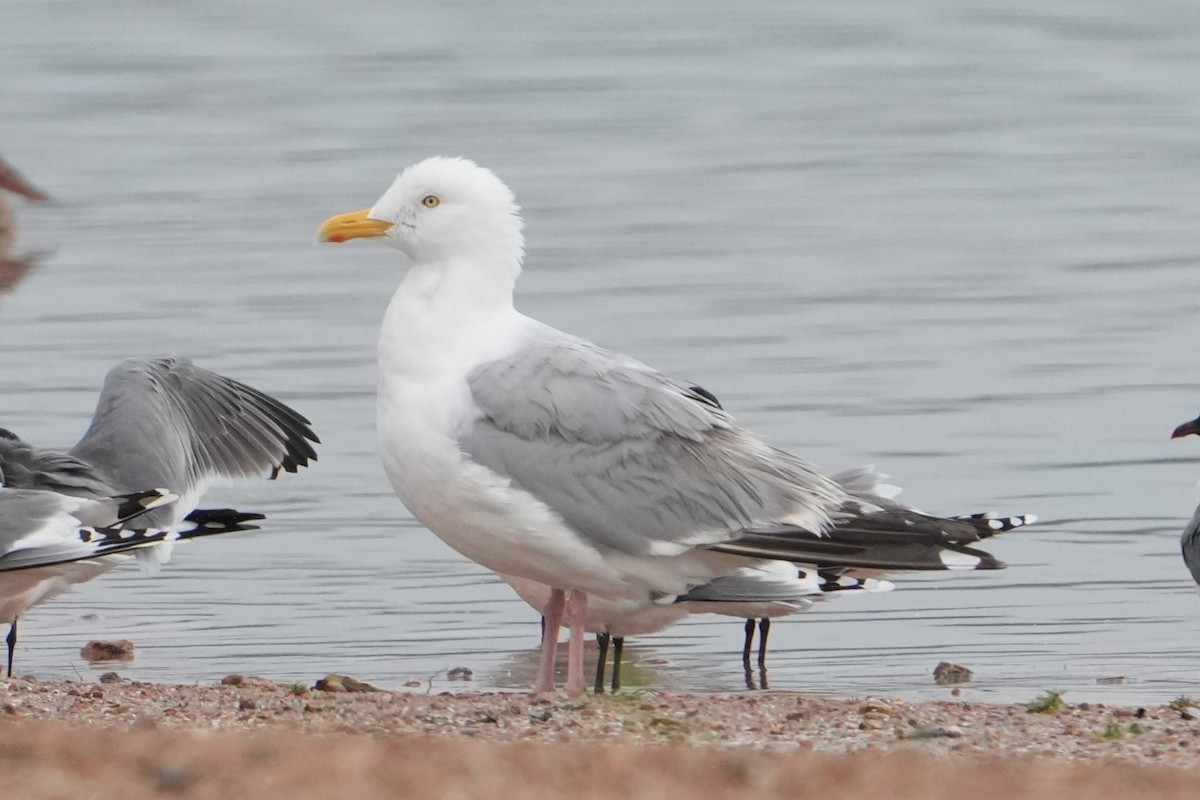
(954, 240)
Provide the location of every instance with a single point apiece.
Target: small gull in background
(540, 455)
(163, 422)
(775, 589)
(760, 593)
(1190, 541)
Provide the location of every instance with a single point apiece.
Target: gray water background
(956, 240)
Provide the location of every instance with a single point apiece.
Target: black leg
(12, 643)
(749, 642)
(602, 640)
(618, 646)
(764, 627)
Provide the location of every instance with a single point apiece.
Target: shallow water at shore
(953, 241)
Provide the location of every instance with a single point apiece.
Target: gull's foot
(575, 688)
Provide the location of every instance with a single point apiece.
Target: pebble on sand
(945, 674)
(343, 683)
(118, 650)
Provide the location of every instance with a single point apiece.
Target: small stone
(233, 680)
(173, 779)
(1114, 680)
(110, 677)
(246, 704)
(145, 722)
(946, 673)
(412, 684)
(935, 733)
(90, 617)
(956, 692)
(343, 683)
(97, 650)
(542, 716)
(460, 674)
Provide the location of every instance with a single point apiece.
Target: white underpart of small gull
(770, 589)
(538, 454)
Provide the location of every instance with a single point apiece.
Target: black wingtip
(218, 518)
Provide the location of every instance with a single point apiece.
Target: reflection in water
(13, 270)
(14, 267)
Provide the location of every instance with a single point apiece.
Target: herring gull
(541, 455)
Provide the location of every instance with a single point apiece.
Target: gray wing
(631, 460)
(166, 422)
(23, 466)
(1190, 543)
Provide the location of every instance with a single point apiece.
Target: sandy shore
(253, 738)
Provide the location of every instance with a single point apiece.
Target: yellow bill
(354, 225)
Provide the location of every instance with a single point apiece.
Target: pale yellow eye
(431, 201)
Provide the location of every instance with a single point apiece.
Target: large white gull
(540, 455)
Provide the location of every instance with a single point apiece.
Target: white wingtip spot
(952, 559)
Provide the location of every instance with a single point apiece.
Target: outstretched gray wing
(166, 422)
(632, 461)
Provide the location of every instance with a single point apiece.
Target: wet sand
(253, 738)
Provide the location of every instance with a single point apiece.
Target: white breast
(424, 402)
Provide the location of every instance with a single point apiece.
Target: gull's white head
(440, 209)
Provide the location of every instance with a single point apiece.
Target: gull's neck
(448, 316)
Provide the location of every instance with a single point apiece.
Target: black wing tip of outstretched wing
(221, 520)
(296, 431)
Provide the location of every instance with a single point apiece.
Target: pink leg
(577, 619)
(552, 616)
